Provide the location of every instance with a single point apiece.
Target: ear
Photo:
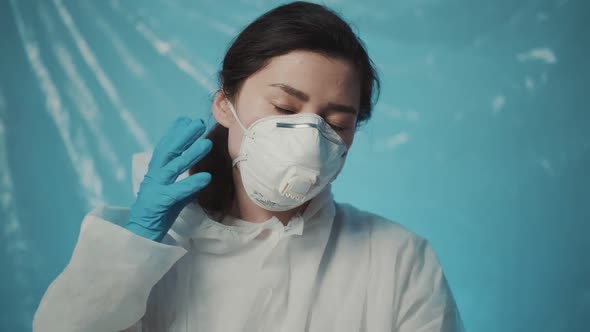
(221, 110)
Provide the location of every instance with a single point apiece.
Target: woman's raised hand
(160, 199)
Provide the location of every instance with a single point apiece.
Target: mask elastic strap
(246, 131)
(237, 160)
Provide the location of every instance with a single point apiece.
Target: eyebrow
(304, 97)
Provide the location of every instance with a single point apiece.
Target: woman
(251, 238)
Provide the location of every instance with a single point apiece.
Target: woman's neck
(243, 207)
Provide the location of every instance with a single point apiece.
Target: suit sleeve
(106, 284)
(427, 303)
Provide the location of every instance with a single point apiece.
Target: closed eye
(282, 110)
(337, 128)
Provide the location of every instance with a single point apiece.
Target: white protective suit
(333, 268)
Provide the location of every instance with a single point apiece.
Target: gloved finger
(159, 153)
(183, 139)
(182, 189)
(183, 162)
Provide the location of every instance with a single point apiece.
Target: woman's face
(297, 82)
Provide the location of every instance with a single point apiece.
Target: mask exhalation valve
(297, 182)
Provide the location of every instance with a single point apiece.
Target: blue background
(479, 142)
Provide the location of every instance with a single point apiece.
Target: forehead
(323, 78)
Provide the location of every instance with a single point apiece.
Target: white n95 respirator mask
(286, 160)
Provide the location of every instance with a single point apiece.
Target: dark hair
(295, 26)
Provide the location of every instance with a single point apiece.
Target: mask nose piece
(297, 182)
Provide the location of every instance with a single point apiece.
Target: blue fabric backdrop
(479, 142)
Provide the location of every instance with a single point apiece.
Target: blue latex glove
(160, 198)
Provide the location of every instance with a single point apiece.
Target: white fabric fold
(333, 268)
(106, 284)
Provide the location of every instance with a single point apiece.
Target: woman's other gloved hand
(160, 198)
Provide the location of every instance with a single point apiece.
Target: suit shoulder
(381, 229)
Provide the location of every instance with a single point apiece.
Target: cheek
(348, 138)
(255, 109)
(234, 141)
